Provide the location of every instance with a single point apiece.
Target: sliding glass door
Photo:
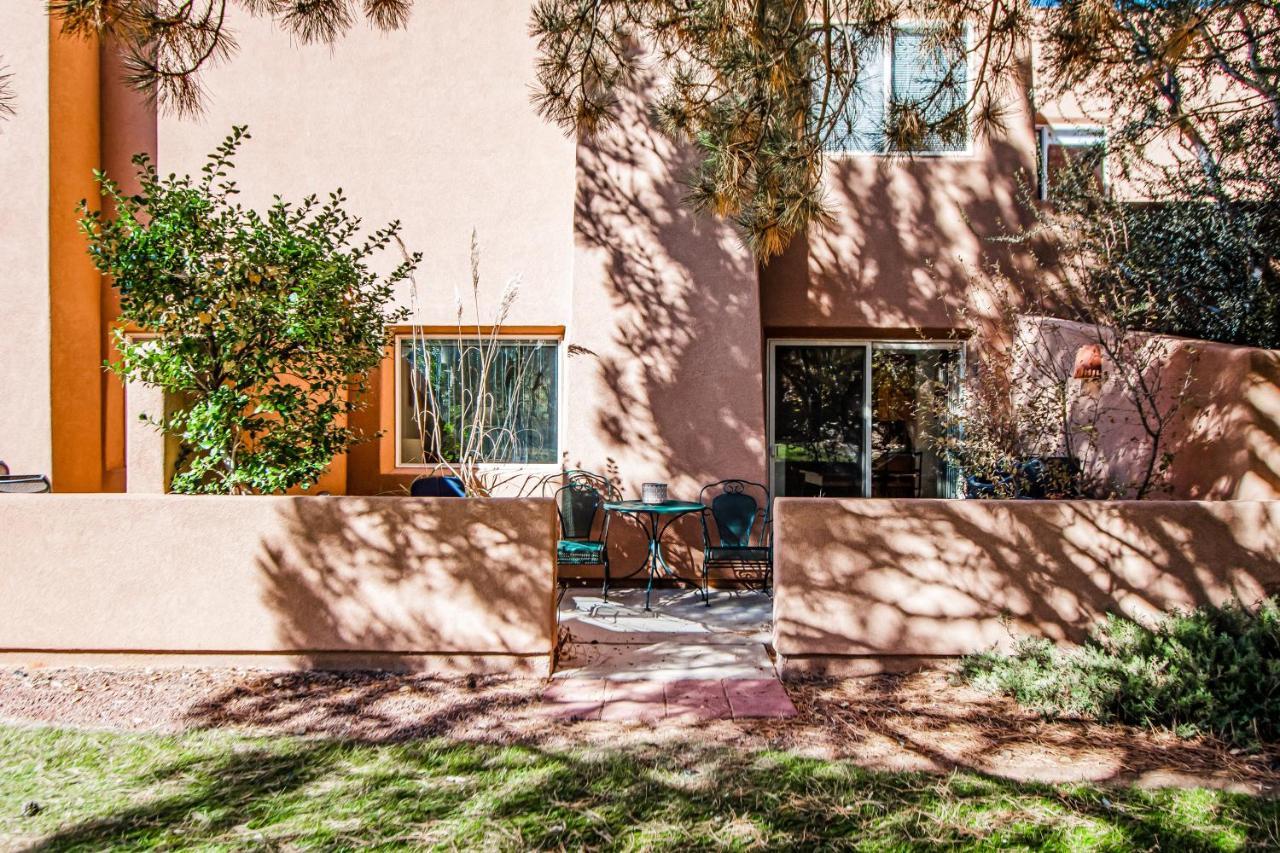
(852, 418)
(819, 416)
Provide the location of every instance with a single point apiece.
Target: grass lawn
(230, 791)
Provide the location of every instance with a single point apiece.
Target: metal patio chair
(579, 504)
(742, 539)
(23, 484)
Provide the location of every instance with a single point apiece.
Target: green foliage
(264, 326)
(1212, 670)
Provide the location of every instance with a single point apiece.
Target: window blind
(931, 77)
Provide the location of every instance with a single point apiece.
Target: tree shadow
(411, 583)
(908, 578)
(672, 352)
(340, 794)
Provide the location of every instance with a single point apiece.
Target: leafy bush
(1213, 670)
(263, 325)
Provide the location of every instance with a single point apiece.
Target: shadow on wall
(412, 582)
(1230, 449)
(886, 578)
(669, 345)
(906, 237)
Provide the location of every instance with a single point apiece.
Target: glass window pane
(1073, 154)
(932, 76)
(907, 385)
(819, 417)
(498, 400)
(860, 125)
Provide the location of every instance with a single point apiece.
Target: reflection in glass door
(850, 419)
(819, 420)
(907, 382)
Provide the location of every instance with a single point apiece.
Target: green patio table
(655, 518)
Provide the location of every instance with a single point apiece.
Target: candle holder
(653, 493)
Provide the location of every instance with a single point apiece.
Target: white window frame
(886, 56)
(870, 346)
(1056, 134)
(561, 419)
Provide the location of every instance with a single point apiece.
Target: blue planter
(437, 487)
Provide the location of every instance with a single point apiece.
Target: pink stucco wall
(429, 584)
(26, 441)
(870, 585)
(431, 125)
(907, 233)
(1222, 404)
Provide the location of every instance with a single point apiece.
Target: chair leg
(605, 590)
(706, 597)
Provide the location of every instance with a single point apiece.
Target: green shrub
(262, 326)
(1213, 670)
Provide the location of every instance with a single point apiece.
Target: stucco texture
(25, 414)
(868, 585)
(433, 584)
(1222, 404)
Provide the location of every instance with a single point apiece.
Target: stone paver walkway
(680, 661)
(651, 701)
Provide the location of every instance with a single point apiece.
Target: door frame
(869, 346)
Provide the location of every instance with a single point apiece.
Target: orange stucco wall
(664, 315)
(439, 585)
(868, 585)
(75, 286)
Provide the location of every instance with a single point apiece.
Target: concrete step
(668, 660)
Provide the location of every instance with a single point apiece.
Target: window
(858, 418)
(1064, 147)
(441, 380)
(911, 69)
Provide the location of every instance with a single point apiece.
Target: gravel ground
(915, 722)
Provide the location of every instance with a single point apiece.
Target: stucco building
(661, 349)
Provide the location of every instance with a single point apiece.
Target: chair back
(578, 502)
(23, 484)
(736, 508)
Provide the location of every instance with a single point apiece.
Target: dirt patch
(921, 721)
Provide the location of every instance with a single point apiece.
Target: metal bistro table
(655, 518)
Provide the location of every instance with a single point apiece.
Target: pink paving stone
(693, 701)
(758, 697)
(575, 690)
(641, 701)
(573, 699)
(570, 711)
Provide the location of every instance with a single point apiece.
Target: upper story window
(917, 69)
(1067, 147)
(438, 383)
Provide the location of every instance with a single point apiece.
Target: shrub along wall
(427, 584)
(873, 585)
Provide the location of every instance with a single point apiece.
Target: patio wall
(435, 585)
(864, 586)
(1225, 434)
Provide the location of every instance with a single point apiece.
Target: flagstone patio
(681, 659)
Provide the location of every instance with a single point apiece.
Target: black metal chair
(743, 535)
(579, 503)
(23, 484)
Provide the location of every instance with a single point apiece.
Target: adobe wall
(407, 583)
(26, 430)
(865, 586)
